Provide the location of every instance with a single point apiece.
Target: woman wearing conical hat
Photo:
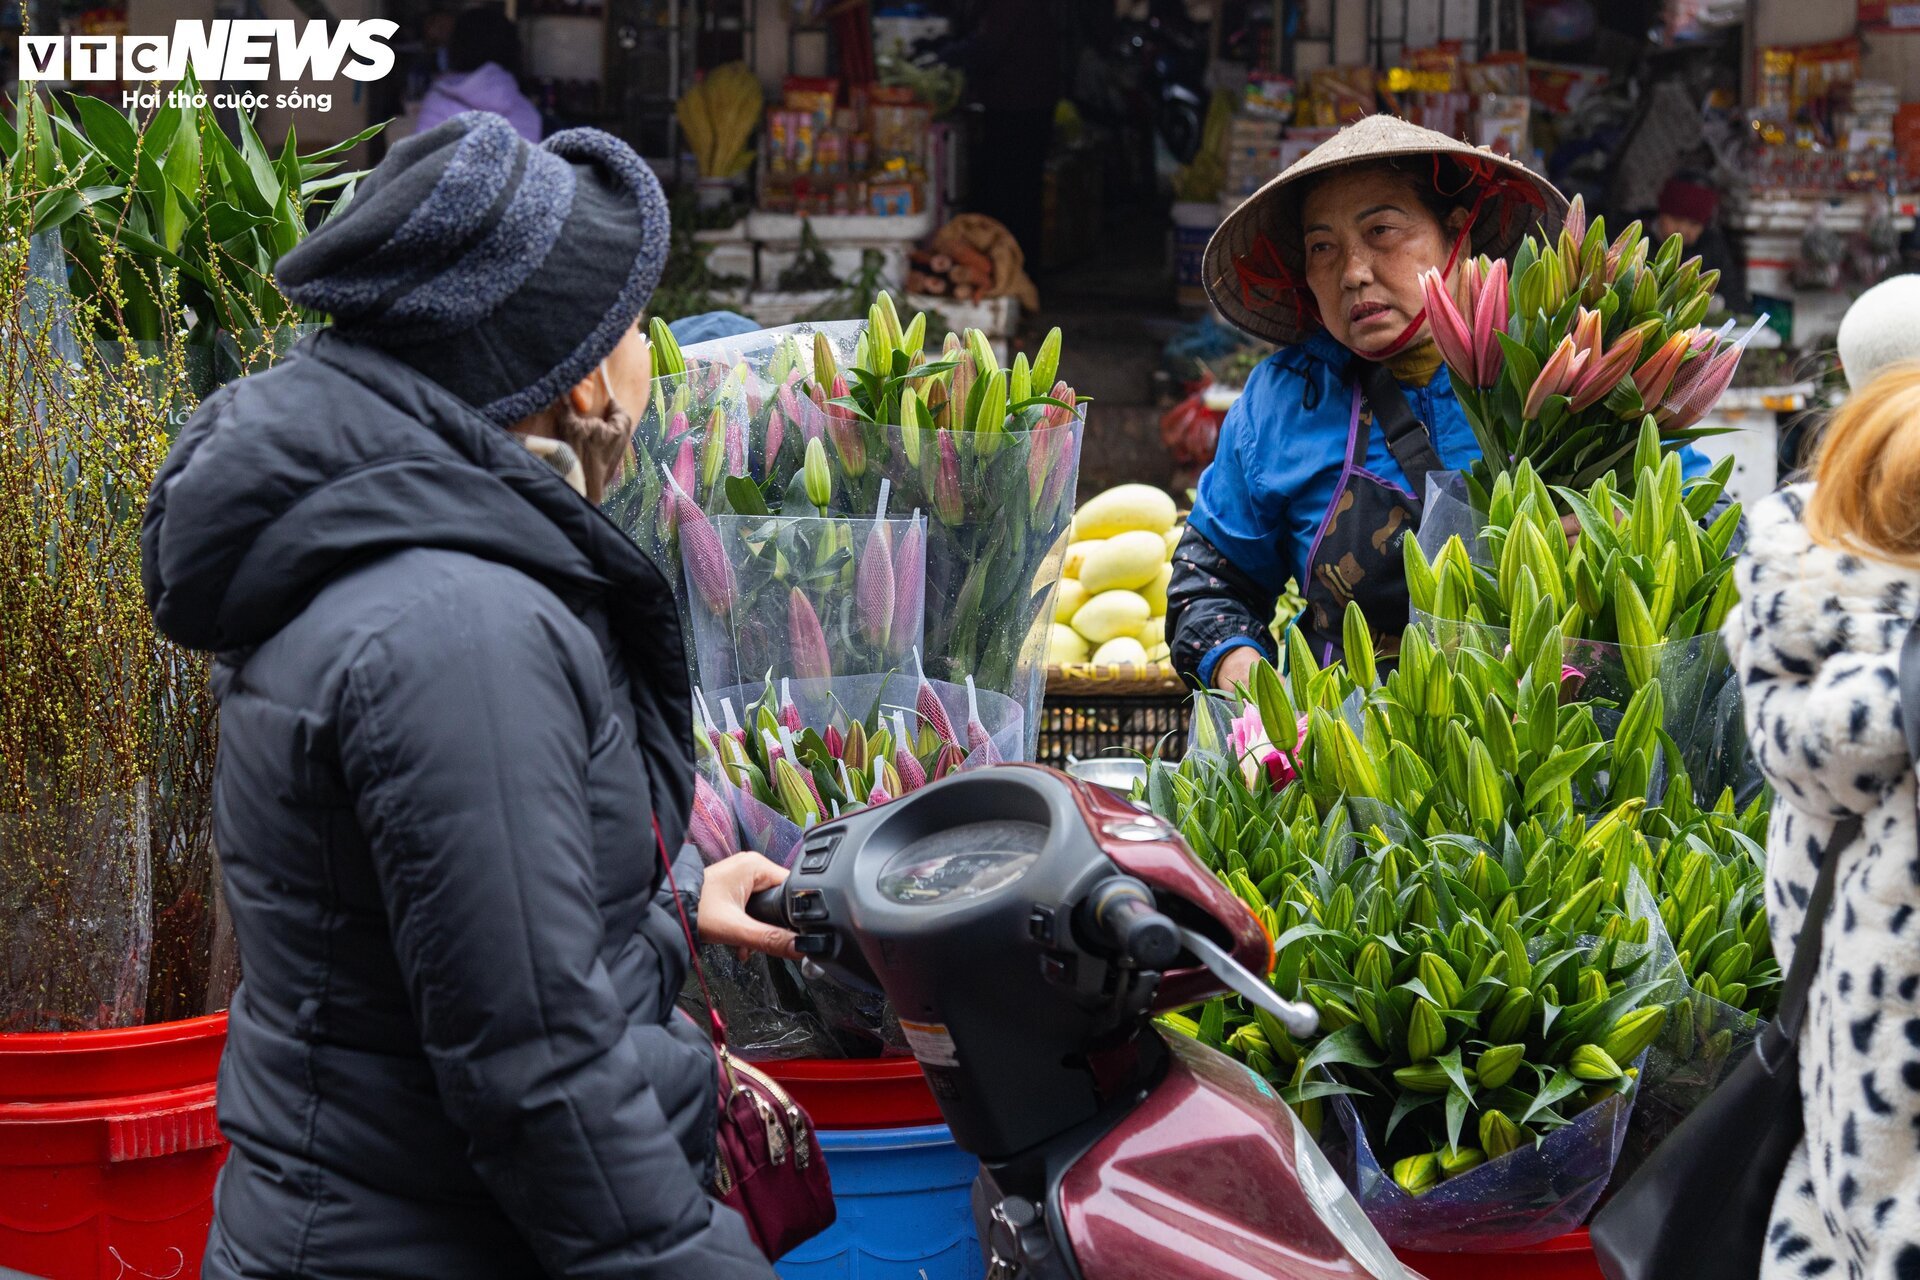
(1323, 461)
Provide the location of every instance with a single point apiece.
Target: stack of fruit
(1111, 609)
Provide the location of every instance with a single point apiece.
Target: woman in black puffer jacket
(453, 714)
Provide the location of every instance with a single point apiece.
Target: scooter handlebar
(1120, 913)
(769, 906)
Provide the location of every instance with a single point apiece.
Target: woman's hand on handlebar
(723, 907)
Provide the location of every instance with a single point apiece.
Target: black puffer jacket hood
(256, 510)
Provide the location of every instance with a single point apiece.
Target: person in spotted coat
(1830, 586)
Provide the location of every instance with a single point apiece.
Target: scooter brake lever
(1300, 1019)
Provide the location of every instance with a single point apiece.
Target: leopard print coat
(1816, 641)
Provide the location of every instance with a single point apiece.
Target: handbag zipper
(796, 1118)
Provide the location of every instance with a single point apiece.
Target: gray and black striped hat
(502, 270)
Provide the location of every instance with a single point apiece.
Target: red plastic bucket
(858, 1093)
(1569, 1257)
(109, 1150)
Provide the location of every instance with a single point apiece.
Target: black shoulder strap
(1407, 438)
(1806, 952)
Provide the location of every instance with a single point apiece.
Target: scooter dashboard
(961, 863)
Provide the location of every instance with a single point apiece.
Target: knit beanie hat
(504, 271)
(1880, 329)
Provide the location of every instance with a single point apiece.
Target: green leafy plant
(1465, 1009)
(169, 203)
(1709, 877)
(1643, 571)
(1467, 880)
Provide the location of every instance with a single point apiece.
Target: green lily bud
(1630, 1036)
(1335, 1013)
(1498, 1064)
(817, 474)
(795, 797)
(1416, 1174)
(1593, 1064)
(1455, 1163)
(1732, 965)
(1511, 1016)
(1249, 1038)
(1426, 1077)
(1593, 986)
(1499, 1135)
(1683, 1026)
(1440, 979)
(1373, 968)
(1426, 1032)
(1423, 911)
(1576, 913)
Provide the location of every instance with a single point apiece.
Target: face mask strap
(613, 404)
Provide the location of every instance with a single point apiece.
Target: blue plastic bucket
(905, 1199)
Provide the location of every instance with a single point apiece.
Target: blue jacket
(1260, 505)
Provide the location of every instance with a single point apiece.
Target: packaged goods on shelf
(1268, 95)
(866, 158)
(1255, 153)
(1558, 87)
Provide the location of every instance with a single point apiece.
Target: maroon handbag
(767, 1160)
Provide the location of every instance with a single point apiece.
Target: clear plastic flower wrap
(758, 432)
(1541, 1153)
(690, 438)
(771, 1010)
(964, 732)
(811, 597)
(1539, 1190)
(1703, 716)
(1534, 1193)
(1703, 712)
(1704, 1038)
(1448, 513)
(774, 1013)
(75, 898)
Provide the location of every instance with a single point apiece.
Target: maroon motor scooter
(1026, 927)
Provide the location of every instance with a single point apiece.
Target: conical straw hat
(1267, 298)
